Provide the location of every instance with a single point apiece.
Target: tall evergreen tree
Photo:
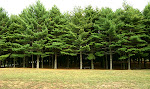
(56, 28)
(17, 38)
(131, 33)
(90, 17)
(33, 19)
(4, 45)
(80, 33)
(106, 29)
(146, 13)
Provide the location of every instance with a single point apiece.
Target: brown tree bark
(32, 62)
(55, 62)
(80, 60)
(106, 63)
(0, 63)
(42, 62)
(129, 63)
(14, 63)
(37, 65)
(92, 64)
(144, 63)
(52, 61)
(110, 59)
(68, 62)
(24, 62)
(49, 61)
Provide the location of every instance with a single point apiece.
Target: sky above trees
(16, 6)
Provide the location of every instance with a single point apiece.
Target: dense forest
(80, 39)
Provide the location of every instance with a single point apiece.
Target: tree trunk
(27, 62)
(42, 62)
(0, 64)
(92, 64)
(144, 63)
(14, 63)
(52, 61)
(68, 62)
(49, 61)
(129, 63)
(76, 62)
(32, 62)
(11, 63)
(37, 66)
(80, 60)
(124, 67)
(24, 62)
(7, 63)
(103, 63)
(122, 64)
(4, 63)
(110, 59)
(139, 63)
(20, 62)
(55, 63)
(106, 63)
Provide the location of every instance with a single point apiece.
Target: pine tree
(131, 33)
(90, 17)
(106, 29)
(146, 13)
(4, 45)
(55, 25)
(80, 33)
(33, 19)
(15, 39)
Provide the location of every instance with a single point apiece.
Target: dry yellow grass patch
(26, 78)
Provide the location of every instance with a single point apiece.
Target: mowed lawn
(26, 78)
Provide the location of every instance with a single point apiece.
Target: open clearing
(26, 78)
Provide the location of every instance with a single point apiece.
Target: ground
(27, 78)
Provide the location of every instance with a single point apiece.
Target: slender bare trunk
(27, 62)
(42, 62)
(55, 63)
(144, 63)
(24, 62)
(4, 64)
(32, 62)
(139, 64)
(68, 62)
(129, 63)
(49, 61)
(80, 60)
(14, 63)
(52, 61)
(92, 64)
(0, 64)
(106, 62)
(121, 64)
(37, 66)
(124, 64)
(110, 59)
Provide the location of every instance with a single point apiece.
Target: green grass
(16, 78)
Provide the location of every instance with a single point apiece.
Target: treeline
(38, 36)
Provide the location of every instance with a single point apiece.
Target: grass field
(17, 78)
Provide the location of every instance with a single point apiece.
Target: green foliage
(91, 56)
(3, 57)
(92, 32)
(4, 23)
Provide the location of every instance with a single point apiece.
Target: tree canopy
(74, 38)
